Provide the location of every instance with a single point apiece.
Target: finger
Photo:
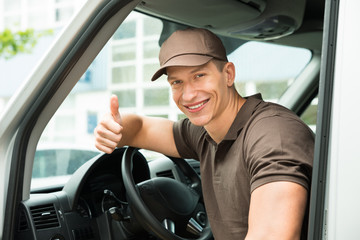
(106, 142)
(104, 148)
(107, 148)
(109, 123)
(114, 108)
(104, 133)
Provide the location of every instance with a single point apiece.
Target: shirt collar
(243, 116)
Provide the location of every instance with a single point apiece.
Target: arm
(143, 132)
(276, 211)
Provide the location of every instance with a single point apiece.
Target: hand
(108, 132)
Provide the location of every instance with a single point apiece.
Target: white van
(301, 54)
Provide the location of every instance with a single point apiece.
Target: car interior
(134, 193)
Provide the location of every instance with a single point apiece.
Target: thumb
(114, 108)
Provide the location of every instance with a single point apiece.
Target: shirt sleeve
(279, 149)
(185, 136)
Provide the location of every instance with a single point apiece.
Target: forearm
(131, 130)
(151, 133)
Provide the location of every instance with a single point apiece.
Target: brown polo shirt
(265, 143)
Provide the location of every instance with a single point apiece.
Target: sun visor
(245, 19)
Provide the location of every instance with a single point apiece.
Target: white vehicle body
(334, 200)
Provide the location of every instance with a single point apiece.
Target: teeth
(197, 106)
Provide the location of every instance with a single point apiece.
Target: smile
(197, 106)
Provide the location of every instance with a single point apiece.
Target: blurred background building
(124, 67)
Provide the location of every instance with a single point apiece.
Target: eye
(200, 75)
(176, 82)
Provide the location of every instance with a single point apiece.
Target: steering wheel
(175, 202)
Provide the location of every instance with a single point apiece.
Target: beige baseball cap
(189, 47)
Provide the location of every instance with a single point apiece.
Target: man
(255, 157)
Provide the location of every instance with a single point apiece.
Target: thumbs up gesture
(114, 109)
(108, 132)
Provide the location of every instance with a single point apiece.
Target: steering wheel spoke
(169, 225)
(194, 227)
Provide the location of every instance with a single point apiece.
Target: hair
(219, 64)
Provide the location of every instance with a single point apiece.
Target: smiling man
(255, 157)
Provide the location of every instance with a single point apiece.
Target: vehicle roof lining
(231, 44)
(239, 14)
(214, 14)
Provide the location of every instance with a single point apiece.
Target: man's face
(200, 92)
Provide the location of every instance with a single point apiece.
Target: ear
(229, 70)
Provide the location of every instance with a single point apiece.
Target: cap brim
(183, 60)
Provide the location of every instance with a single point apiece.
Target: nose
(189, 92)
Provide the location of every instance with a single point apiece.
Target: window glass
(64, 13)
(124, 51)
(123, 74)
(125, 66)
(11, 5)
(156, 97)
(267, 68)
(309, 116)
(181, 116)
(151, 49)
(92, 120)
(36, 3)
(12, 21)
(62, 1)
(149, 70)
(127, 98)
(65, 123)
(37, 17)
(160, 116)
(126, 30)
(152, 27)
(50, 162)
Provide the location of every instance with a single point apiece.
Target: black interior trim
(308, 97)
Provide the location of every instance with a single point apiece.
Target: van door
(335, 208)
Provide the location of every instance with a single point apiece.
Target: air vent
(44, 216)
(23, 224)
(167, 174)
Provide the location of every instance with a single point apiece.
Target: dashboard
(93, 203)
